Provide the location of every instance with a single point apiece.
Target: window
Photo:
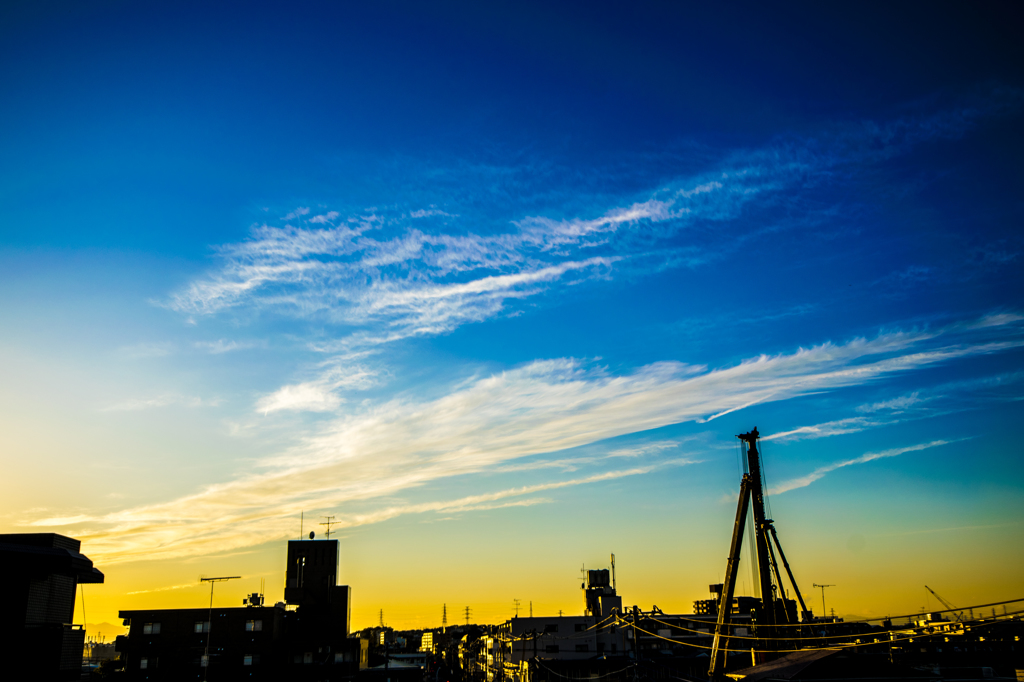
(143, 663)
(551, 648)
(151, 629)
(201, 626)
(247, 659)
(582, 647)
(551, 627)
(253, 625)
(581, 627)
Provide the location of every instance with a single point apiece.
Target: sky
(496, 285)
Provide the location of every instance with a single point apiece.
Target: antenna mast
(209, 621)
(330, 522)
(613, 572)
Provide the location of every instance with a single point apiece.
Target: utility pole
(209, 621)
(823, 611)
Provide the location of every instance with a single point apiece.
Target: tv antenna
(209, 618)
(330, 522)
(516, 601)
(823, 611)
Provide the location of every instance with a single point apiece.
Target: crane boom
(941, 600)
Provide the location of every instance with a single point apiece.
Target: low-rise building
(305, 638)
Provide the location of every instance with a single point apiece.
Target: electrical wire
(871, 620)
(566, 677)
(836, 647)
(793, 638)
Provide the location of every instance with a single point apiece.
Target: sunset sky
(497, 284)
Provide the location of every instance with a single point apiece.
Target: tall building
(41, 573)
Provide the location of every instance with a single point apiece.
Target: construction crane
(772, 595)
(949, 607)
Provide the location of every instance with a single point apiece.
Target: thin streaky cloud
(358, 271)
(821, 472)
(937, 401)
(165, 400)
(542, 408)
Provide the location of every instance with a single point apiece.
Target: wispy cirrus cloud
(163, 400)
(535, 411)
(924, 403)
(821, 472)
(222, 346)
(319, 395)
(381, 279)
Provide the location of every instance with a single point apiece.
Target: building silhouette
(41, 573)
(304, 637)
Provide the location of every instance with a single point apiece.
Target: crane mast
(773, 606)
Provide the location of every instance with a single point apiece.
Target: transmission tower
(467, 611)
(444, 616)
(382, 617)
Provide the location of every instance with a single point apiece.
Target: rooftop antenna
(613, 571)
(209, 618)
(823, 611)
(330, 522)
(302, 518)
(516, 601)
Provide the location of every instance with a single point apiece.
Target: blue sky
(519, 272)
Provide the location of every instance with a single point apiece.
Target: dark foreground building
(254, 642)
(40, 573)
